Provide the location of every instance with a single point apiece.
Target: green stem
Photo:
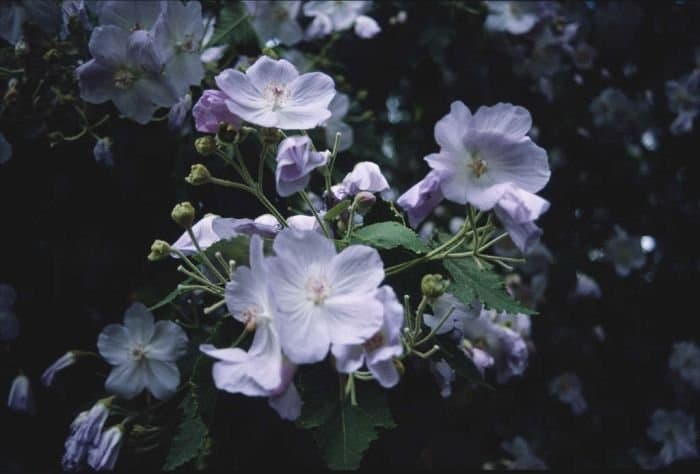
(306, 199)
(437, 327)
(201, 253)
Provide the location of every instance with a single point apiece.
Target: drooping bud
(227, 132)
(199, 175)
(364, 200)
(183, 214)
(61, 363)
(205, 145)
(159, 250)
(433, 285)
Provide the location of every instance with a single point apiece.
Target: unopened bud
(227, 132)
(364, 200)
(51, 55)
(159, 250)
(269, 52)
(205, 145)
(270, 136)
(199, 174)
(433, 285)
(183, 214)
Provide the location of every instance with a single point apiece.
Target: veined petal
(108, 45)
(267, 70)
(352, 318)
(303, 248)
(139, 321)
(449, 130)
(169, 342)
(242, 94)
(114, 344)
(161, 378)
(126, 380)
(502, 118)
(357, 269)
(96, 82)
(303, 332)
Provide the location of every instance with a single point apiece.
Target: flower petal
(114, 343)
(288, 404)
(352, 318)
(244, 99)
(357, 269)
(161, 378)
(267, 70)
(450, 129)
(108, 45)
(502, 118)
(139, 321)
(169, 342)
(385, 372)
(126, 380)
(348, 358)
(96, 82)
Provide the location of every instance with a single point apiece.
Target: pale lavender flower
(287, 404)
(685, 359)
(320, 26)
(21, 397)
(300, 222)
(271, 93)
(5, 149)
(525, 459)
(516, 18)
(211, 229)
(676, 431)
(586, 287)
(103, 456)
(210, 111)
(421, 198)
(613, 109)
(684, 100)
(365, 176)
(517, 210)
(85, 432)
(178, 36)
(13, 14)
(178, 114)
(103, 152)
(339, 107)
(482, 360)
(625, 252)
(323, 297)
(129, 15)
(295, 161)
(481, 154)
(143, 354)
(567, 388)
(125, 69)
(366, 27)
(379, 351)
(275, 20)
(66, 360)
(519, 322)
(444, 376)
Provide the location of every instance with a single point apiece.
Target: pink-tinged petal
(126, 380)
(114, 344)
(352, 318)
(108, 45)
(288, 404)
(504, 119)
(450, 129)
(385, 372)
(169, 342)
(357, 269)
(348, 358)
(211, 110)
(139, 321)
(161, 378)
(96, 82)
(267, 70)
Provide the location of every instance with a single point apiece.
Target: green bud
(270, 53)
(199, 174)
(205, 145)
(364, 200)
(227, 133)
(159, 250)
(362, 94)
(183, 214)
(51, 55)
(270, 136)
(433, 285)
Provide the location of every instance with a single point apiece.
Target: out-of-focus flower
(295, 162)
(339, 108)
(71, 9)
(625, 252)
(676, 431)
(5, 149)
(586, 287)
(271, 93)
(21, 397)
(339, 16)
(366, 27)
(516, 18)
(517, 210)
(378, 352)
(567, 387)
(8, 296)
(143, 354)
(684, 100)
(103, 455)
(444, 376)
(524, 458)
(613, 109)
(9, 324)
(178, 114)
(275, 20)
(210, 112)
(324, 297)
(421, 198)
(481, 155)
(685, 359)
(13, 14)
(131, 15)
(365, 176)
(103, 152)
(84, 433)
(66, 360)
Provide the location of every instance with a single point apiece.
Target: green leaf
(345, 437)
(235, 248)
(189, 437)
(233, 26)
(336, 210)
(388, 235)
(470, 283)
(169, 298)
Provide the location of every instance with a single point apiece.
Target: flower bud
(199, 174)
(227, 132)
(183, 214)
(364, 200)
(270, 136)
(433, 285)
(159, 250)
(205, 145)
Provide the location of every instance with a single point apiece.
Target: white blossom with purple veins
(271, 93)
(481, 155)
(516, 18)
(323, 297)
(365, 176)
(676, 431)
(143, 354)
(517, 210)
(379, 351)
(21, 397)
(127, 70)
(339, 107)
(66, 360)
(129, 15)
(684, 100)
(103, 455)
(567, 387)
(338, 16)
(178, 36)
(276, 20)
(295, 161)
(685, 359)
(625, 252)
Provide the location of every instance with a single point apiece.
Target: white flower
(143, 354)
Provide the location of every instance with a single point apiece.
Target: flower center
(280, 14)
(124, 79)
(374, 342)
(251, 316)
(317, 290)
(138, 352)
(187, 45)
(478, 167)
(276, 95)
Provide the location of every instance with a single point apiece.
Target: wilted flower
(685, 359)
(295, 162)
(271, 93)
(66, 360)
(103, 455)
(676, 431)
(517, 210)
(178, 114)
(365, 176)
(421, 198)
(85, 432)
(143, 354)
(481, 155)
(514, 17)
(339, 108)
(379, 351)
(210, 111)
(21, 397)
(275, 19)
(323, 297)
(625, 252)
(567, 387)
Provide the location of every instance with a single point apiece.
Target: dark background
(75, 234)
